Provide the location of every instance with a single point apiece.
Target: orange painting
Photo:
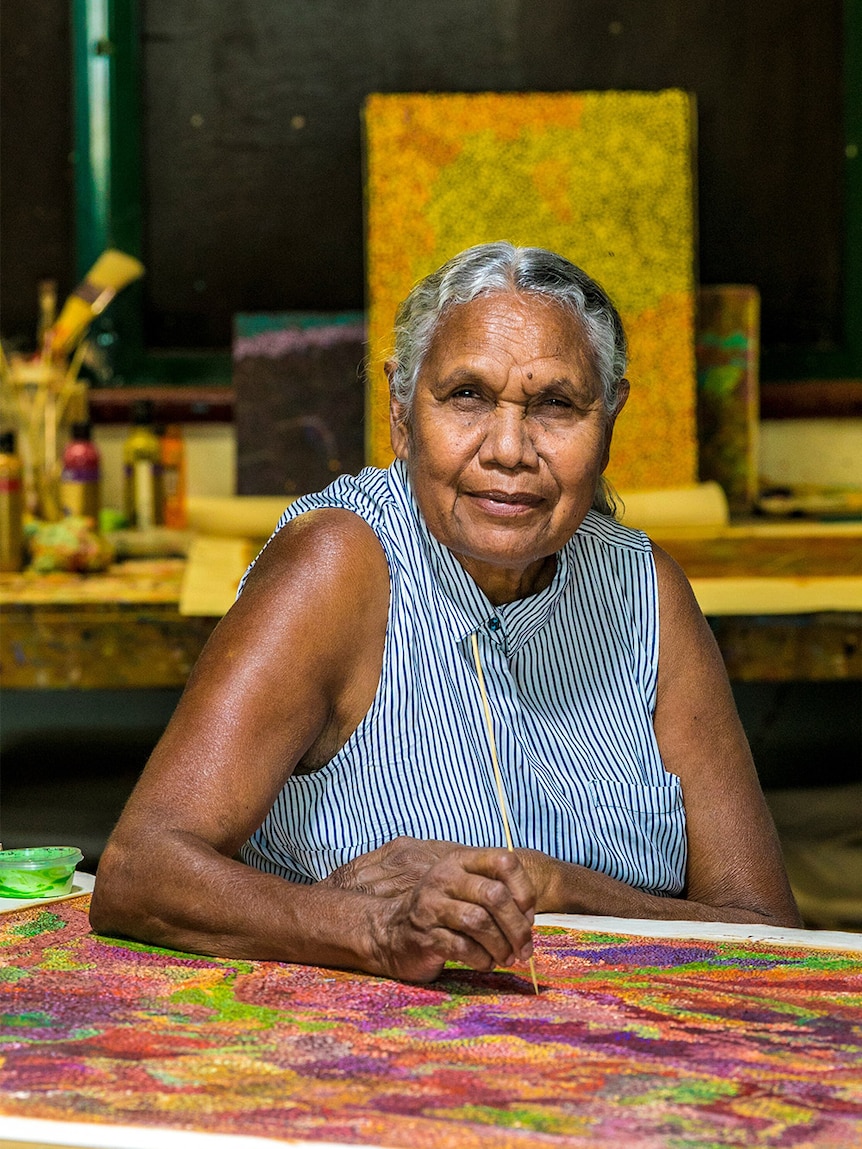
(603, 178)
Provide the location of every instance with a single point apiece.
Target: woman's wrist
(548, 876)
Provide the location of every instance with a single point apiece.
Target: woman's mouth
(506, 503)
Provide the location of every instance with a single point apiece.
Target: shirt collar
(464, 606)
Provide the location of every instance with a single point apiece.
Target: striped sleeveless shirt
(570, 674)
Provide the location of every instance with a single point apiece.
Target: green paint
(694, 1091)
(431, 1014)
(32, 1019)
(165, 1078)
(43, 923)
(247, 325)
(56, 958)
(821, 960)
(12, 973)
(687, 1143)
(518, 1117)
(221, 1000)
(735, 341)
(107, 155)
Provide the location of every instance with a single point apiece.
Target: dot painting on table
(635, 1041)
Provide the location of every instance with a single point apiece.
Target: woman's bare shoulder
(318, 590)
(679, 612)
(325, 552)
(685, 636)
(672, 580)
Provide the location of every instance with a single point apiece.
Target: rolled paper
(700, 506)
(238, 516)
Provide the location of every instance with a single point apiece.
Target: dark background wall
(36, 176)
(252, 139)
(253, 201)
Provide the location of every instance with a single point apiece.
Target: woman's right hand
(391, 869)
(473, 906)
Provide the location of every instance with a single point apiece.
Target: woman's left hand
(390, 870)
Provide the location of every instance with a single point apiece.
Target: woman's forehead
(519, 326)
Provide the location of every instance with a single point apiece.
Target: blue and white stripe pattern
(571, 679)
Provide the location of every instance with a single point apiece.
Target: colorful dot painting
(633, 1043)
(603, 178)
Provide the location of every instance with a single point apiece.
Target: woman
(333, 730)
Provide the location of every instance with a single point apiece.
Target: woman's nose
(507, 441)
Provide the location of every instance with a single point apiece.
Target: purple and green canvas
(633, 1042)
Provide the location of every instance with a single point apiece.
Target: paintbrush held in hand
(111, 272)
(498, 777)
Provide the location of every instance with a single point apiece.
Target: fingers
(476, 898)
(344, 878)
(474, 906)
(506, 866)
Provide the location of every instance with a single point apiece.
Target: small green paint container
(39, 872)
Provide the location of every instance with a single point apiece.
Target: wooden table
(783, 606)
(119, 629)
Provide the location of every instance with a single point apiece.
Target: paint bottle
(142, 465)
(11, 506)
(81, 477)
(173, 461)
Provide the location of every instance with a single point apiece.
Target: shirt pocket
(638, 798)
(641, 833)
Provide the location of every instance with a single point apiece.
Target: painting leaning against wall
(603, 178)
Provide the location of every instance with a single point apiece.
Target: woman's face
(507, 437)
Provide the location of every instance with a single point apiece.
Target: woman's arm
(285, 679)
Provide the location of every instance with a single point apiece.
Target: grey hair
(501, 266)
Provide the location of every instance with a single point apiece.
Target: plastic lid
(37, 857)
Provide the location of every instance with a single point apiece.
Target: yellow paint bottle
(142, 464)
(11, 506)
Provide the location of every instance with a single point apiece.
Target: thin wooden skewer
(498, 777)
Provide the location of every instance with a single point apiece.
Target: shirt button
(494, 624)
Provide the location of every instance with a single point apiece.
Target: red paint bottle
(80, 478)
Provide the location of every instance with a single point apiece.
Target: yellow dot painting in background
(603, 178)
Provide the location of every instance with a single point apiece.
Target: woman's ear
(622, 397)
(397, 415)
